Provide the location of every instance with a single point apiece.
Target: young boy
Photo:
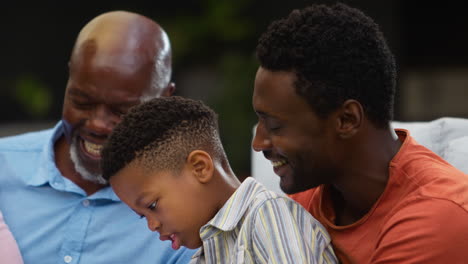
(165, 160)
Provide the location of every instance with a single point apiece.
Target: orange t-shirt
(421, 217)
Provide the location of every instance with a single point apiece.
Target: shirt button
(85, 203)
(67, 259)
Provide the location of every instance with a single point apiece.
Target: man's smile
(92, 149)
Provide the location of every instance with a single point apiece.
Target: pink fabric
(9, 252)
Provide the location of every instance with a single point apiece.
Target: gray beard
(85, 174)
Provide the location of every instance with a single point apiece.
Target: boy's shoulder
(261, 193)
(268, 196)
(275, 221)
(279, 203)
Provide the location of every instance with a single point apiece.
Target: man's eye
(152, 206)
(273, 127)
(82, 105)
(119, 112)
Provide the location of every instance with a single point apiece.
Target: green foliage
(215, 37)
(219, 23)
(234, 106)
(33, 95)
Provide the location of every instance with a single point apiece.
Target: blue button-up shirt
(54, 221)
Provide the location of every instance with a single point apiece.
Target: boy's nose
(153, 224)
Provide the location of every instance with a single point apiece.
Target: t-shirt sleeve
(426, 230)
(286, 233)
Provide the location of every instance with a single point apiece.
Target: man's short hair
(160, 134)
(337, 53)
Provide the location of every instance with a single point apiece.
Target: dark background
(213, 45)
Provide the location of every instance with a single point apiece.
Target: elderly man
(57, 205)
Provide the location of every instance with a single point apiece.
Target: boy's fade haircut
(160, 134)
(337, 53)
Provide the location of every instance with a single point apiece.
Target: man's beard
(85, 174)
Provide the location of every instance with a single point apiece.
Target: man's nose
(102, 121)
(261, 140)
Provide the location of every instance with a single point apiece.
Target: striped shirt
(260, 226)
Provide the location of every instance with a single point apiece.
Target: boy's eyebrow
(139, 200)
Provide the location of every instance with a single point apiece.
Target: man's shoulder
(26, 142)
(418, 163)
(429, 215)
(426, 175)
(424, 223)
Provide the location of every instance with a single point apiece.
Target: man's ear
(201, 165)
(169, 90)
(349, 118)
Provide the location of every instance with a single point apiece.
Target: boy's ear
(201, 165)
(169, 90)
(349, 119)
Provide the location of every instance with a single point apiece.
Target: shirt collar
(47, 170)
(229, 216)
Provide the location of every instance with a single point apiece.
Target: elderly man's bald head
(119, 60)
(128, 41)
